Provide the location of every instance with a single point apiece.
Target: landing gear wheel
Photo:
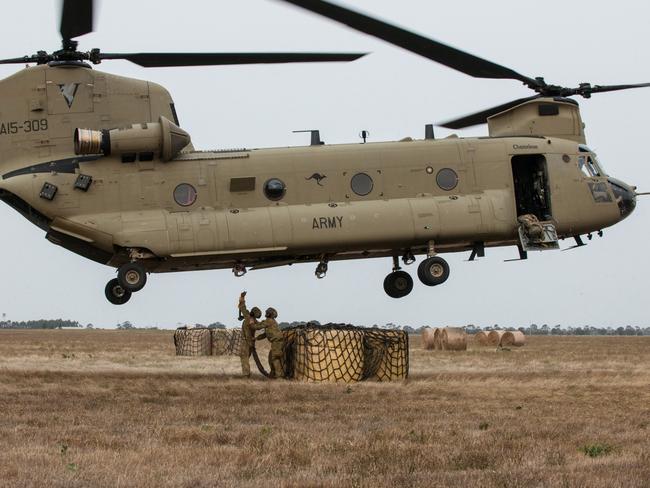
(433, 271)
(132, 277)
(116, 294)
(398, 284)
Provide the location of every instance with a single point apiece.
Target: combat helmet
(256, 312)
(271, 313)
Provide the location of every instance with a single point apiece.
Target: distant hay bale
(428, 339)
(481, 338)
(343, 353)
(494, 337)
(513, 339)
(454, 339)
(193, 342)
(437, 339)
(226, 341)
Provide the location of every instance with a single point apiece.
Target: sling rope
(259, 363)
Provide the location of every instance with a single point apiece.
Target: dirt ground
(117, 409)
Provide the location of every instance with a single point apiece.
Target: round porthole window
(362, 184)
(275, 189)
(447, 179)
(185, 194)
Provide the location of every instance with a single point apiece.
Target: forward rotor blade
(436, 51)
(481, 117)
(159, 60)
(609, 88)
(76, 18)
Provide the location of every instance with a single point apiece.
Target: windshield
(588, 163)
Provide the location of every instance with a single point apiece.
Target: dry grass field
(118, 409)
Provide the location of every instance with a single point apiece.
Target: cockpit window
(588, 162)
(587, 166)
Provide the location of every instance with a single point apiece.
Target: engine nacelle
(163, 138)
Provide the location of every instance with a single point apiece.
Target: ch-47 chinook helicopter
(99, 163)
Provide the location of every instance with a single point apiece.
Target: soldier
(248, 333)
(273, 333)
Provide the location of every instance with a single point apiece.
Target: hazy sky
(390, 93)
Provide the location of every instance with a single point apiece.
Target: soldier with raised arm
(249, 321)
(273, 333)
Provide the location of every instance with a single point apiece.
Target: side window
(447, 179)
(185, 195)
(362, 184)
(275, 189)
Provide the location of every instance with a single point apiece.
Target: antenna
(315, 136)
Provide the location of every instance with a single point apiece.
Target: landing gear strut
(399, 283)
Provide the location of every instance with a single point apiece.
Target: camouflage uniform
(275, 336)
(248, 337)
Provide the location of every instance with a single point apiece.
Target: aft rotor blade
(76, 18)
(436, 51)
(158, 60)
(481, 117)
(24, 59)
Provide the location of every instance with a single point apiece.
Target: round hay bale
(481, 338)
(193, 342)
(454, 339)
(428, 339)
(513, 339)
(437, 339)
(494, 337)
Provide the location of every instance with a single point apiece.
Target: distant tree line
(39, 324)
(532, 329)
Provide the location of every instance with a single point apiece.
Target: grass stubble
(117, 408)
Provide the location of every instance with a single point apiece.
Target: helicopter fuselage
(269, 207)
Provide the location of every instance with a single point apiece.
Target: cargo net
(207, 342)
(226, 341)
(343, 353)
(193, 342)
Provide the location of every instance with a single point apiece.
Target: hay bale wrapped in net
(481, 338)
(437, 339)
(494, 337)
(386, 355)
(513, 339)
(428, 339)
(193, 342)
(226, 341)
(454, 339)
(328, 354)
(343, 353)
